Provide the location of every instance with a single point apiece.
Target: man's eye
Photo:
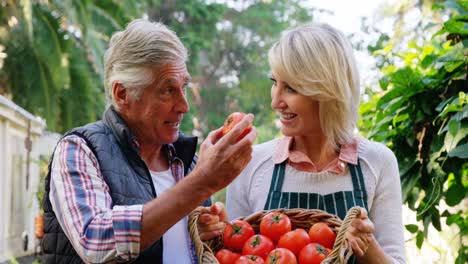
(168, 90)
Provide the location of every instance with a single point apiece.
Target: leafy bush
(422, 116)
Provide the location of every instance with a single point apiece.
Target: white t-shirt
(176, 246)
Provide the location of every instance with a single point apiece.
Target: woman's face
(299, 114)
(155, 117)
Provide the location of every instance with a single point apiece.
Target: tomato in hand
(281, 256)
(236, 233)
(313, 253)
(323, 234)
(226, 256)
(258, 245)
(294, 240)
(249, 259)
(229, 124)
(274, 225)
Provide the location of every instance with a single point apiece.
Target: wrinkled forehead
(172, 74)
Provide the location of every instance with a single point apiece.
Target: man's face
(156, 116)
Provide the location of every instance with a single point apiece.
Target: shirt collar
(282, 152)
(171, 151)
(348, 154)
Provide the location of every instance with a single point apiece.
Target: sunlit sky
(346, 15)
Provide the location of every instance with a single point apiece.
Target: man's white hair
(135, 53)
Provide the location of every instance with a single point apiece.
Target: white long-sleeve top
(248, 192)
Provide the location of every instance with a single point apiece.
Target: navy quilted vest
(124, 172)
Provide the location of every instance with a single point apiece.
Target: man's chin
(172, 138)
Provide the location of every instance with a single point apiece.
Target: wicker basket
(300, 218)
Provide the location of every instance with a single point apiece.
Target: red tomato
(313, 253)
(258, 245)
(230, 122)
(294, 240)
(323, 234)
(226, 256)
(236, 233)
(281, 256)
(274, 225)
(249, 259)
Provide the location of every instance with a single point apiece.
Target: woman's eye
(274, 81)
(289, 89)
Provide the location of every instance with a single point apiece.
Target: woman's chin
(287, 132)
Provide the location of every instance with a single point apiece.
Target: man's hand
(220, 163)
(211, 221)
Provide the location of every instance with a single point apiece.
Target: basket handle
(342, 251)
(202, 249)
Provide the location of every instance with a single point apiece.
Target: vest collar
(185, 147)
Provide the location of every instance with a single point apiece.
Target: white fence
(22, 142)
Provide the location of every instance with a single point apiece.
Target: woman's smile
(287, 118)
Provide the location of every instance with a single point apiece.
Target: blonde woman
(319, 162)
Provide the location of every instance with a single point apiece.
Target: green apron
(337, 203)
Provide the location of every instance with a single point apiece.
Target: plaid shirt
(83, 205)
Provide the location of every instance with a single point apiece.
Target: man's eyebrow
(170, 81)
(174, 80)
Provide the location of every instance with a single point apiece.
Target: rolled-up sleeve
(98, 230)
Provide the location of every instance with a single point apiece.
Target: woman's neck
(317, 148)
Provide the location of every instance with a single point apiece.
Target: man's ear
(120, 94)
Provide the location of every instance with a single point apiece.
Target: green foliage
(54, 57)
(13, 260)
(422, 116)
(43, 164)
(194, 22)
(54, 64)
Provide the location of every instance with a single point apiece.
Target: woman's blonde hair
(317, 60)
(136, 52)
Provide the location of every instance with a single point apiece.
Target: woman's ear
(120, 94)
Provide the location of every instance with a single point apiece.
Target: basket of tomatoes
(278, 236)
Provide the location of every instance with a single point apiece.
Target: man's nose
(182, 105)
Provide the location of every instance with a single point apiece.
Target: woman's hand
(360, 233)
(212, 221)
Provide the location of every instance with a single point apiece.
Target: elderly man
(120, 189)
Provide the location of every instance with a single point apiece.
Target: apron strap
(359, 187)
(276, 185)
